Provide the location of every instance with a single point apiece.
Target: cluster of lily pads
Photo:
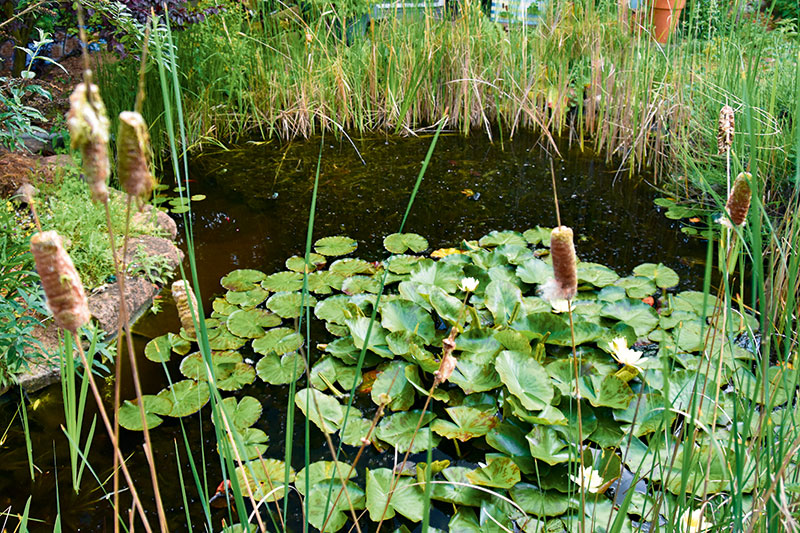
(649, 359)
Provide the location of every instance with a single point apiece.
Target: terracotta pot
(666, 14)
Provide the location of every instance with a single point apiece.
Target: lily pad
(359, 283)
(288, 304)
(596, 274)
(225, 340)
(223, 306)
(229, 372)
(335, 246)
(402, 264)
(405, 316)
(351, 267)
(501, 472)
(540, 502)
(637, 287)
(496, 238)
(398, 430)
(243, 414)
(534, 271)
(186, 397)
(249, 443)
(444, 275)
(407, 498)
(663, 276)
(279, 341)
(475, 372)
(159, 349)
(504, 300)
(338, 512)
(337, 309)
(458, 491)
(468, 422)
(280, 369)
(250, 323)
(297, 263)
(130, 418)
(638, 315)
(377, 336)
(525, 378)
(538, 235)
(323, 282)
(242, 280)
(247, 299)
(398, 243)
(265, 479)
(325, 411)
(547, 445)
(355, 430)
(393, 383)
(286, 281)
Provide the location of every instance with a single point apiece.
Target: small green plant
(153, 267)
(17, 118)
(20, 298)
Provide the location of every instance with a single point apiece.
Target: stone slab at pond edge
(104, 300)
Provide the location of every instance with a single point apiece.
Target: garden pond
(506, 420)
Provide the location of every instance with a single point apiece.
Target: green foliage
(513, 350)
(20, 297)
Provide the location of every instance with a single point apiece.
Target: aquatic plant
(512, 386)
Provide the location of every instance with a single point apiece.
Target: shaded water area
(255, 215)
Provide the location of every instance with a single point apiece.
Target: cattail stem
(576, 369)
(34, 214)
(555, 192)
(114, 441)
(123, 318)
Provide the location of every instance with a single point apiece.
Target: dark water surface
(255, 215)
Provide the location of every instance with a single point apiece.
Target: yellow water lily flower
(625, 355)
(694, 522)
(589, 478)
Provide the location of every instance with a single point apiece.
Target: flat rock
(104, 302)
(145, 248)
(153, 219)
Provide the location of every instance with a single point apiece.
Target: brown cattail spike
(725, 129)
(739, 200)
(563, 253)
(186, 303)
(133, 155)
(448, 363)
(88, 130)
(60, 281)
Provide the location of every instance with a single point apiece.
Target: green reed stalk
(26, 428)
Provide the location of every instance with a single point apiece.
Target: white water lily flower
(625, 355)
(562, 306)
(468, 284)
(592, 480)
(694, 522)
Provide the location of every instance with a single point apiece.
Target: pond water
(255, 215)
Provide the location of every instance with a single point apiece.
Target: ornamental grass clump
(88, 130)
(60, 281)
(564, 286)
(133, 155)
(186, 303)
(739, 199)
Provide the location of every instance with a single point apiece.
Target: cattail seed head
(88, 130)
(562, 251)
(739, 200)
(725, 129)
(133, 155)
(186, 303)
(60, 281)
(448, 363)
